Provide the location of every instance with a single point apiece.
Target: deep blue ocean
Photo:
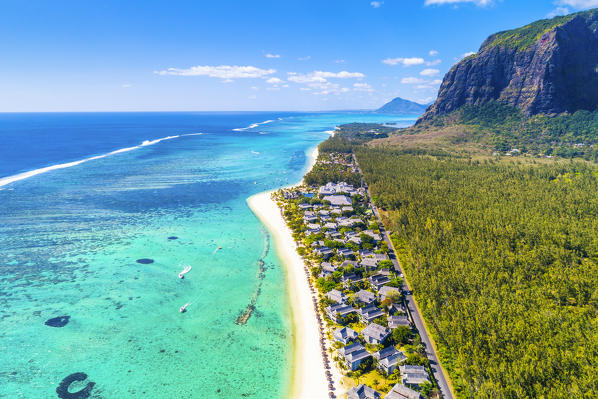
(168, 187)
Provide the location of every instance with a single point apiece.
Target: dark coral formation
(145, 261)
(548, 67)
(63, 387)
(59, 321)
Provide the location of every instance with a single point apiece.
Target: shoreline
(308, 371)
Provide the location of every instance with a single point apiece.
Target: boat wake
(252, 126)
(25, 175)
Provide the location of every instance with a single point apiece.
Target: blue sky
(84, 55)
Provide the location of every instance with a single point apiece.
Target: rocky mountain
(402, 106)
(547, 67)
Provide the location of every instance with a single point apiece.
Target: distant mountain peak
(401, 106)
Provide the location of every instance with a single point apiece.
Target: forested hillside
(503, 259)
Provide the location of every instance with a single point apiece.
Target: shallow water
(70, 238)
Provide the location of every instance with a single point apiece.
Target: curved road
(439, 373)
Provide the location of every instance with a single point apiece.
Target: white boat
(183, 308)
(186, 270)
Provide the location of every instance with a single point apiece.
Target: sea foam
(252, 126)
(25, 175)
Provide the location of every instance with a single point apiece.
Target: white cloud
(433, 53)
(317, 81)
(255, 88)
(272, 55)
(480, 3)
(275, 81)
(412, 81)
(558, 11)
(362, 87)
(429, 72)
(465, 55)
(404, 61)
(426, 100)
(226, 72)
(127, 85)
(376, 4)
(433, 62)
(578, 4)
(322, 76)
(306, 58)
(339, 61)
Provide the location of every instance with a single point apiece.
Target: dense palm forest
(503, 259)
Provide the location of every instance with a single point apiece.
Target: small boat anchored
(183, 308)
(186, 270)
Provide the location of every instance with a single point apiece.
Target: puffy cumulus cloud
(469, 53)
(376, 4)
(433, 62)
(317, 81)
(322, 76)
(578, 4)
(404, 61)
(362, 87)
(558, 11)
(480, 3)
(412, 81)
(433, 53)
(426, 100)
(272, 55)
(275, 81)
(430, 72)
(226, 72)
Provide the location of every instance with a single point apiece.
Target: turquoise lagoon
(70, 238)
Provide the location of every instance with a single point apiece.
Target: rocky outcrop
(548, 67)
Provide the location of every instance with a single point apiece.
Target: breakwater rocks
(59, 321)
(63, 387)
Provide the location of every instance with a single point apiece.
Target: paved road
(412, 308)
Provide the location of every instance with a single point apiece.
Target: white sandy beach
(309, 379)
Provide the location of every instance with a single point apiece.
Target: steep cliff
(547, 67)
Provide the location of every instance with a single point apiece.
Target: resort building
(345, 335)
(366, 297)
(385, 290)
(346, 252)
(369, 313)
(375, 334)
(397, 321)
(337, 312)
(353, 355)
(389, 359)
(369, 263)
(336, 296)
(402, 392)
(335, 188)
(338, 200)
(362, 392)
(413, 375)
(378, 280)
(328, 268)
